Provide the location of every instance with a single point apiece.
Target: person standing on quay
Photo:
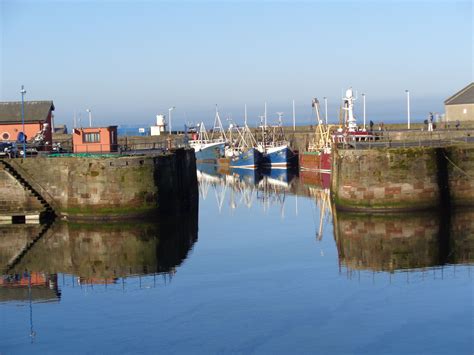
(430, 122)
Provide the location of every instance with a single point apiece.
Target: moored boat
(207, 150)
(281, 156)
(318, 155)
(274, 146)
(246, 159)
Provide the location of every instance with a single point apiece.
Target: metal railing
(400, 139)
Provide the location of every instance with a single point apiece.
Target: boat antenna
(265, 115)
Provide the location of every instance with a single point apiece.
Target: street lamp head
(171, 108)
(88, 110)
(407, 91)
(23, 91)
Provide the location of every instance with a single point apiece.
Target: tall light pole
(326, 109)
(23, 92)
(408, 107)
(294, 116)
(90, 116)
(363, 105)
(169, 116)
(245, 116)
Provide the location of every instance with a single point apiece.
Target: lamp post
(363, 105)
(90, 116)
(169, 115)
(23, 92)
(294, 116)
(408, 107)
(326, 109)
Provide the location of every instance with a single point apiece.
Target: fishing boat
(209, 148)
(274, 147)
(206, 149)
(349, 132)
(242, 152)
(318, 155)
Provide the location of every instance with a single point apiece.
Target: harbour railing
(404, 139)
(130, 147)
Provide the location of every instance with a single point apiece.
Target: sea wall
(414, 178)
(460, 167)
(385, 179)
(114, 187)
(14, 199)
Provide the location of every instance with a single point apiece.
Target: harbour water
(267, 266)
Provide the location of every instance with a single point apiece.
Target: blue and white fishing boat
(242, 152)
(246, 159)
(280, 156)
(208, 149)
(274, 146)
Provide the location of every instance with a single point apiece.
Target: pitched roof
(10, 112)
(463, 96)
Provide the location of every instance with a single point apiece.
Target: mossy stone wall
(114, 187)
(385, 179)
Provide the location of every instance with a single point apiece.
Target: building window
(5, 136)
(91, 138)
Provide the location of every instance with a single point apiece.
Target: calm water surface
(265, 266)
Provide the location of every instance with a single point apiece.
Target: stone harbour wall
(14, 199)
(114, 187)
(460, 167)
(385, 179)
(402, 179)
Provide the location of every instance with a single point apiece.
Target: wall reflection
(404, 241)
(97, 253)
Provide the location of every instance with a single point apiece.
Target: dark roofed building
(35, 111)
(460, 106)
(37, 118)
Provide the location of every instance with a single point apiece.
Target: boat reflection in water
(96, 254)
(244, 186)
(404, 241)
(385, 243)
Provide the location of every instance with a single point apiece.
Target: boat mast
(350, 121)
(245, 115)
(218, 127)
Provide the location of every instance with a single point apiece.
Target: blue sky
(128, 61)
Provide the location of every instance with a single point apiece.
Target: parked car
(9, 150)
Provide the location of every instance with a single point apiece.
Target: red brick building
(37, 118)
